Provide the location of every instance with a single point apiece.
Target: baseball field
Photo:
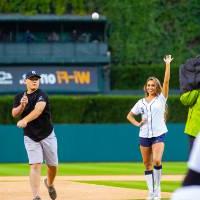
(90, 181)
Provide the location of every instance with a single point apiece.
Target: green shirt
(192, 99)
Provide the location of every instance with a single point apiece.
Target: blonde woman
(153, 128)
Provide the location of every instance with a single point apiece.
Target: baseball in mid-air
(95, 15)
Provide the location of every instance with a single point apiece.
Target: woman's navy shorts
(148, 142)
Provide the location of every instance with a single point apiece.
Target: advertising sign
(53, 79)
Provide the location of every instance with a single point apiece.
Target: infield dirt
(17, 188)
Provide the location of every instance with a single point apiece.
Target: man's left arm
(39, 108)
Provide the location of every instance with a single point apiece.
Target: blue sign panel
(53, 79)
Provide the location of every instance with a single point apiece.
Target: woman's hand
(168, 59)
(142, 122)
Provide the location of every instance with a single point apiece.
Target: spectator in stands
(1, 35)
(53, 37)
(95, 37)
(84, 37)
(5, 36)
(29, 37)
(74, 35)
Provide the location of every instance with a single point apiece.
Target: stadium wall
(94, 143)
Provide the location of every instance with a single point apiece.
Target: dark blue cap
(32, 74)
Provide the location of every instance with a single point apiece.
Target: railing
(48, 53)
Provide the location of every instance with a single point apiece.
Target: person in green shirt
(192, 100)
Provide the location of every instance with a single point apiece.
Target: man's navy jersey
(41, 127)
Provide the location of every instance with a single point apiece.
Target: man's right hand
(24, 101)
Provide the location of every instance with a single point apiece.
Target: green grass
(94, 169)
(167, 186)
(104, 169)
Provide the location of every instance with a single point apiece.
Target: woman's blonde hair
(157, 83)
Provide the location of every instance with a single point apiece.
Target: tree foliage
(141, 32)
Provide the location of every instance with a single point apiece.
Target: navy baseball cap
(32, 74)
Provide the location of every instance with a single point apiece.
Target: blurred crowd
(29, 36)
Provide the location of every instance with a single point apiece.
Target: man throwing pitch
(39, 138)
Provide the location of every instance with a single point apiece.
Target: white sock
(150, 180)
(157, 175)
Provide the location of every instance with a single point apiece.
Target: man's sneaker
(150, 196)
(37, 198)
(51, 190)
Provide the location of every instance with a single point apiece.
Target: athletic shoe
(150, 196)
(51, 190)
(37, 198)
(157, 194)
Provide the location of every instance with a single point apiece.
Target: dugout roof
(64, 18)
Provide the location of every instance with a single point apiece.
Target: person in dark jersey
(32, 106)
